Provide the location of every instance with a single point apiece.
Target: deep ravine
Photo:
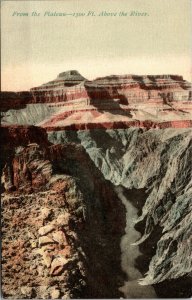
(130, 252)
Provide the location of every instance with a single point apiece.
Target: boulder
(44, 240)
(59, 237)
(55, 293)
(46, 229)
(57, 265)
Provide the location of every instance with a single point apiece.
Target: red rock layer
(63, 94)
(127, 88)
(123, 125)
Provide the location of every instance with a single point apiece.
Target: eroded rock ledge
(61, 235)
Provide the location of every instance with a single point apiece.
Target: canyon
(96, 188)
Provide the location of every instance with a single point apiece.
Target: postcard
(96, 149)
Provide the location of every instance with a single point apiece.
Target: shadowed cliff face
(161, 162)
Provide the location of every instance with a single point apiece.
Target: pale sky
(35, 49)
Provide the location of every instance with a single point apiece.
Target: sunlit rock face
(128, 88)
(117, 101)
(137, 89)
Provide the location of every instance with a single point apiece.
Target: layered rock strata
(127, 88)
(73, 102)
(127, 99)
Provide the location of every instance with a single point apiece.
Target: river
(130, 252)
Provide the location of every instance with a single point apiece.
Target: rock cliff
(128, 88)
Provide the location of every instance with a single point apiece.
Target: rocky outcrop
(61, 236)
(36, 266)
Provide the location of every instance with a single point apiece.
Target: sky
(34, 49)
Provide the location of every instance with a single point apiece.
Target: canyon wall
(159, 161)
